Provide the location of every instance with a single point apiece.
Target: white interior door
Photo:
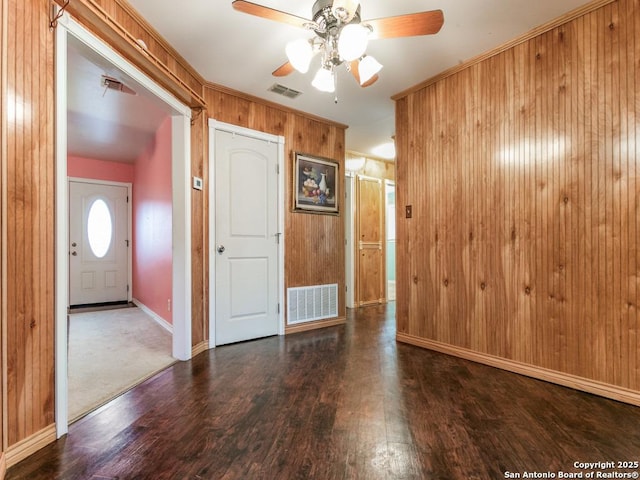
(98, 243)
(246, 239)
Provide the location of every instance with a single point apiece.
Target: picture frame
(315, 184)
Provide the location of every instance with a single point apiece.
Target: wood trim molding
(567, 380)
(199, 348)
(127, 7)
(21, 450)
(3, 465)
(557, 22)
(304, 327)
(4, 45)
(270, 104)
(90, 13)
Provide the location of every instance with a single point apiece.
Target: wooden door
(246, 238)
(370, 282)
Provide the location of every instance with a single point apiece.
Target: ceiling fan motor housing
(328, 24)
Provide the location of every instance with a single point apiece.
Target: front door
(98, 243)
(246, 238)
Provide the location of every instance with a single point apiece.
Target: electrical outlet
(408, 211)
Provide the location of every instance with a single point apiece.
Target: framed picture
(315, 184)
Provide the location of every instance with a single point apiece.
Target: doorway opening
(390, 233)
(176, 116)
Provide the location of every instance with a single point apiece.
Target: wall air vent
(284, 91)
(306, 304)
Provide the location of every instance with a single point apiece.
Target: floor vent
(284, 91)
(307, 304)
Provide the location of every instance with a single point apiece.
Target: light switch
(197, 183)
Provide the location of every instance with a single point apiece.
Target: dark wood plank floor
(344, 402)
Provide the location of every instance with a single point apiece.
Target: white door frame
(388, 184)
(181, 191)
(227, 127)
(127, 185)
(350, 249)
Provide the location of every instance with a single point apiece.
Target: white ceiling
(240, 51)
(106, 124)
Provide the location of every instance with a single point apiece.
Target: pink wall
(81, 167)
(152, 225)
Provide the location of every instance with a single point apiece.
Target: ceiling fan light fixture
(324, 80)
(344, 10)
(299, 52)
(353, 40)
(367, 68)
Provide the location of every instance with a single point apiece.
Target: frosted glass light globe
(353, 41)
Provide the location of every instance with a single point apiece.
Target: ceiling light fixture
(340, 38)
(325, 80)
(367, 68)
(386, 150)
(299, 52)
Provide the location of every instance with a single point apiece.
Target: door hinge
(127, 242)
(127, 288)
(277, 168)
(278, 308)
(127, 198)
(277, 235)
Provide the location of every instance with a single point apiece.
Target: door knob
(74, 244)
(220, 248)
(74, 253)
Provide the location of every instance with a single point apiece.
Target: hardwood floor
(344, 402)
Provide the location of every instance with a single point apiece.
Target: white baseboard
(157, 318)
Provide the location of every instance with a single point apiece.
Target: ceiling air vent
(112, 84)
(284, 91)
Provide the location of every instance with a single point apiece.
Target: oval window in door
(99, 228)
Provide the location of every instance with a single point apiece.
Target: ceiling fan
(341, 38)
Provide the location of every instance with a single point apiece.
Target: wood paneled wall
(522, 170)
(320, 237)
(27, 220)
(28, 197)
(3, 176)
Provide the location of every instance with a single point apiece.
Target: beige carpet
(111, 351)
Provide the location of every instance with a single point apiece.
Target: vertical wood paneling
(29, 218)
(3, 251)
(199, 237)
(314, 244)
(629, 45)
(522, 170)
(319, 236)
(27, 202)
